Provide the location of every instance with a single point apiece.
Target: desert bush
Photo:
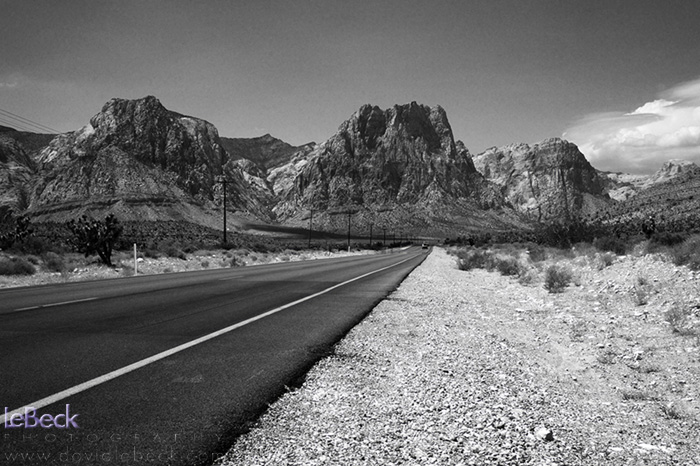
(672, 411)
(611, 244)
(641, 290)
(204, 264)
(536, 252)
(468, 259)
(604, 260)
(173, 249)
(638, 395)
(36, 245)
(507, 265)
(556, 278)
(13, 228)
(16, 266)
(53, 262)
(679, 316)
(236, 262)
(32, 259)
(667, 238)
(688, 253)
(607, 357)
(151, 253)
(528, 276)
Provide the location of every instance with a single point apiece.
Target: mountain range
(395, 168)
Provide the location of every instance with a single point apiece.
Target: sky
(621, 79)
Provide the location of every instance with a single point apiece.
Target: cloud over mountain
(639, 141)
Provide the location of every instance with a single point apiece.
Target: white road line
(157, 357)
(54, 304)
(231, 278)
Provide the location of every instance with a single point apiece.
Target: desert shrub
(468, 259)
(536, 252)
(679, 316)
(638, 395)
(556, 278)
(611, 244)
(53, 262)
(32, 259)
(205, 264)
(36, 245)
(688, 253)
(508, 265)
(607, 357)
(604, 260)
(173, 249)
(672, 411)
(13, 229)
(260, 247)
(284, 258)
(151, 253)
(641, 290)
(528, 276)
(236, 262)
(667, 238)
(16, 266)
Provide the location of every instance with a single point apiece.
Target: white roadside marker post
(136, 266)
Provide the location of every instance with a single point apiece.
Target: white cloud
(640, 141)
(9, 85)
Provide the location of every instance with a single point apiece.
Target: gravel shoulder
(475, 368)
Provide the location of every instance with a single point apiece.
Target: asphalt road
(169, 369)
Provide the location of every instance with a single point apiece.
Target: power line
(15, 125)
(23, 120)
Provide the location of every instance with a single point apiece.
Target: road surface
(169, 369)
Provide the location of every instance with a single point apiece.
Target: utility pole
(311, 219)
(384, 231)
(223, 181)
(349, 215)
(370, 235)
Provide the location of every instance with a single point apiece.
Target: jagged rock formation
(139, 160)
(622, 187)
(17, 165)
(549, 180)
(266, 152)
(398, 168)
(400, 165)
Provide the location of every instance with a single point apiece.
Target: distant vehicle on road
(424, 246)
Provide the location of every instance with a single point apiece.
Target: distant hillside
(670, 196)
(265, 151)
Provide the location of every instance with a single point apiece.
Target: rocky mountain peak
(672, 169)
(550, 179)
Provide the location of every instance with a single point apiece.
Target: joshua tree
(93, 236)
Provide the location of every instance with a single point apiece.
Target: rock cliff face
(551, 179)
(140, 160)
(18, 150)
(403, 159)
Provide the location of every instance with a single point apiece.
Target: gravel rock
(473, 368)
